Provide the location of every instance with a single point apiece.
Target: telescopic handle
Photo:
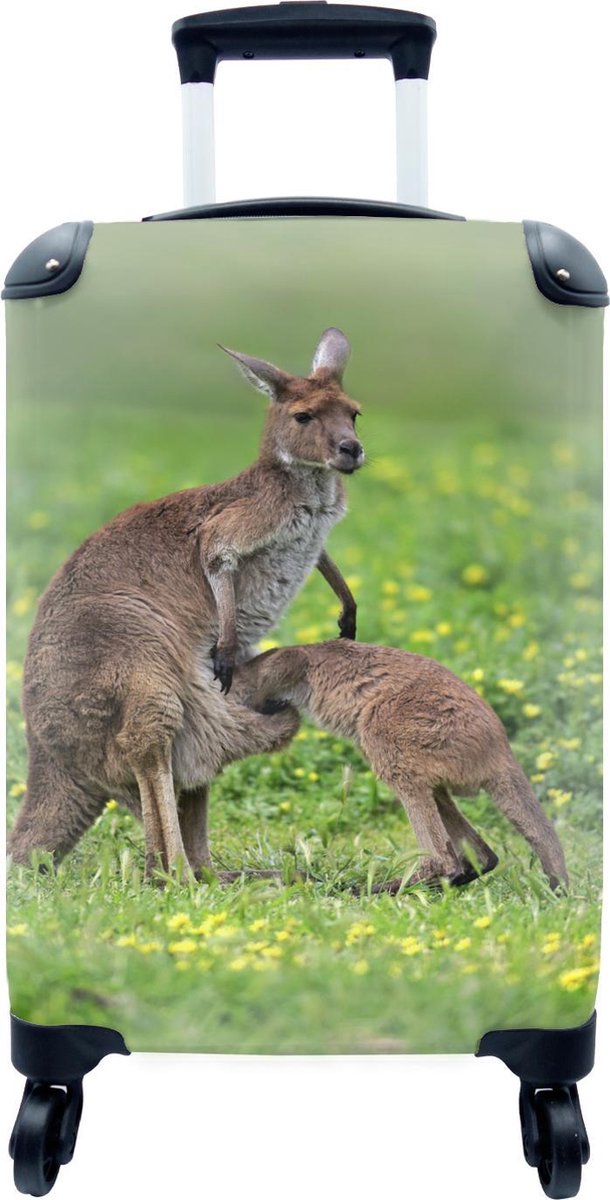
(303, 30)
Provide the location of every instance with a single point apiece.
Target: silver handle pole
(412, 141)
(198, 144)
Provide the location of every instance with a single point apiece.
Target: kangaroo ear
(262, 375)
(332, 354)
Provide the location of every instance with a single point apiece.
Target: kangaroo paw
(224, 665)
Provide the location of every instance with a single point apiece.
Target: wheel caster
(44, 1135)
(554, 1138)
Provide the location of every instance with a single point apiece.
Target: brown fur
(119, 693)
(424, 732)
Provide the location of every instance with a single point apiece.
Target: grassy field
(478, 546)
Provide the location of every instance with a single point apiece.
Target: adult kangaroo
(119, 692)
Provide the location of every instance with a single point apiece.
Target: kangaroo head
(311, 421)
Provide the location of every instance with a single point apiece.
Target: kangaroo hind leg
(440, 860)
(150, 725)
(464, 837)
(55, 811)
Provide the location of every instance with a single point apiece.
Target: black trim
(31, 275)
(564, 270)
(544, 1057)
(58, 1054)
(305, 206)
(303, 30)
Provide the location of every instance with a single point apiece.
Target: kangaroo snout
(350, 456)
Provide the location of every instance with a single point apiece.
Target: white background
(518, 129)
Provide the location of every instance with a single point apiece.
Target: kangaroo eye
(354, 415)
(303, 418)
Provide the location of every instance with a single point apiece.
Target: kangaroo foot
(468, 873)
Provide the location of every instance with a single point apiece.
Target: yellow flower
(309, 633)
(569, 743)
(482, 922)
(320, 734)
(562, 454)
(511, 686)
(111, 805)
(239, 963)
(410, 946)
(14, 672)
(24, 604)
(268, 644)
(18, 789)
(298, 772)
(560, 798)
(444, 628)
(581, 655)
(531, 710)
(485, 455)
(544, 760)
(588, 941)
(418, 593)
(128, 939)
(39, 520)
(394, 970)
(478, 674)
(285, 806)
(302, 735)
(463, 943)
(580, 581)
(353, 581)
(313, 777)
(184, 946)
(390, 588)
(439, 934)
(516, 620)
(572, 981)
(503, 938)
(360, 929)
(422, 635)
(182, 964)
(361, 967)
(531, 651)
(282, 935)
(539, 778)
(179, 921)
(475, 575)
(271, 952)
(17, 930)
(469, 969)
(149, 947)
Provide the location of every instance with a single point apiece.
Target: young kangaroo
(119, 694)
(424, 732)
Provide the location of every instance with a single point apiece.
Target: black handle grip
(303, 30)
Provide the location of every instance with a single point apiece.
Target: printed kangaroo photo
(304, 748)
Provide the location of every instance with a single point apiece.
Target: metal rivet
(562, 274)
(52, 265)
(248, 54)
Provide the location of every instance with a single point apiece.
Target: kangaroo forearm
(223, 591)
(331, 573)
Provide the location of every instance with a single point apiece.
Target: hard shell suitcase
(322, 921)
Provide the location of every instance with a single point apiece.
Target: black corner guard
(51, 264)
(544, 1057)
(564, 270)
(59, 1054)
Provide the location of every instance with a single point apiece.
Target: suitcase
(322, 922)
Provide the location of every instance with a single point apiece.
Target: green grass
(476, 542)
